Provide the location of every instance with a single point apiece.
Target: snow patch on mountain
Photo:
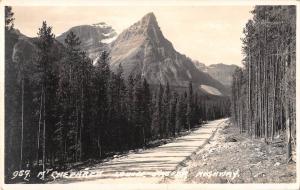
(101, 25)
(108, 40)
(94, 38)
(106, 35)
(210, 90)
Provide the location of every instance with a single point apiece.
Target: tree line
(60, 108)
(264, 91)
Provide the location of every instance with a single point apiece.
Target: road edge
(182, 163)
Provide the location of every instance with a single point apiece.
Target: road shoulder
(230, 157)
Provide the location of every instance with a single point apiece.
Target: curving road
(151, 165)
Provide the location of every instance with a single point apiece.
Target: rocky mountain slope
(24, 49)
(201, 66)
(221, 72)
(143, 49)
(94, 38)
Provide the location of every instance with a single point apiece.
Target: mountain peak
(143, 50)
(150, 14)
(150, 27)
(150, 17)
(148, 21)
(145, 29)
(94, 34)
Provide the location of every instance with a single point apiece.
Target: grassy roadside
(231, 157)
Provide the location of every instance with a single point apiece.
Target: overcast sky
(209, 34)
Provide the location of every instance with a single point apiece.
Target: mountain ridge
(94, 38)
(219, 71)
(143, 49)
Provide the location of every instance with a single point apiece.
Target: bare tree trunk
(260, 96)
(288, 132)
(265, 85)
(274, 96)
(39, 130)
(257, 100)
(76, 136)
(287, 111)
(99, 146)
(249, 95)
(22, 129)
(81, 124)
(44, 131)
(65, 151)
(261, 101)
(144, 139)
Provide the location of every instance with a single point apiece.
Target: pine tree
(130, 110)
(146, 102)
(165, 111)
(45, 42)
(189, 112)
(12, 149)
(261, 104)
(68, 95)
(84, 74)
(180, 113)
(9, 19)
(141, 98)
(173, 114)
(156, 123)
(101, 80)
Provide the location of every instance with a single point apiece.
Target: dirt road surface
(150, 165)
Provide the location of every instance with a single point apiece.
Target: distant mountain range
(221, 72)
(143, 49)
(94, 38)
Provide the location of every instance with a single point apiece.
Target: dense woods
(264, 91)
(60, 108)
